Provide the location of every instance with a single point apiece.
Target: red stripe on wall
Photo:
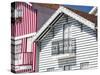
(28, 23)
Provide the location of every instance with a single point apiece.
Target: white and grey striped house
(67, 41)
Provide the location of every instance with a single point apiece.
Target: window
(16, 48)
(50, 69)
(67, 67)
(84, 65)
(55, 48)
(61, 51)
(72, 46)
(18, 13)
(66, 46)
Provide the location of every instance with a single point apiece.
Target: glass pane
(84, 65)
(19, 13)
(67, 67)
(66, 46)
(55, 48)
(50, 69)
(61, 47)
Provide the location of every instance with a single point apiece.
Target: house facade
(25, 22)
(47, 37)
(67, 41)
(23, 28)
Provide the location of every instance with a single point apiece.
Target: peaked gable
(56, 15)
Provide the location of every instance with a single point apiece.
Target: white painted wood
(29, 44)
(86, 46)
(23, 67)
(23, 36)
(16, 42)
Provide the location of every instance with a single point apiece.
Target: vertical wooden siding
(28, 23)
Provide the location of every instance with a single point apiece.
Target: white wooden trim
(29, 3)
(23, 67)
(29, 44)
(93, 10)
(61, 56)
(79, 18)
(23, 36)
(16, 42)
(68, 12)
(47, 23)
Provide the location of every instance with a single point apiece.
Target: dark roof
(87, 16)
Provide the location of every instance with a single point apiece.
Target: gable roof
(45, 28)
(90, 17)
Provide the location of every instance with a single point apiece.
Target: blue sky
(81, 8)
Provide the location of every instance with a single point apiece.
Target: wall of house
(86, 46)
(22, 57)
(33, 17)
(28, 23)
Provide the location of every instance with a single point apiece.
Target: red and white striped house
(23, 28)
(26, 20)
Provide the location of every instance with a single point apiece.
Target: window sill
(66, 55)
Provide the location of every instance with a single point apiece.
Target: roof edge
(68, 12)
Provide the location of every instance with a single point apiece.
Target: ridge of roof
(64, 10)
(89, 17)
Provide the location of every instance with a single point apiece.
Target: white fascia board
(93, 9)
(23, 36)
(47, 24)
(79, 18)
(29, 3)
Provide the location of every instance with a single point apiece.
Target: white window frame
(29, 44)
(18, 13)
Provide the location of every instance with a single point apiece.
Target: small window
(55, 48)
(18, 13)
(66, 67)
(66, 46)
(16, 48)
(84, 65)
(50, 69)
(17, 57)
(61, 51)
